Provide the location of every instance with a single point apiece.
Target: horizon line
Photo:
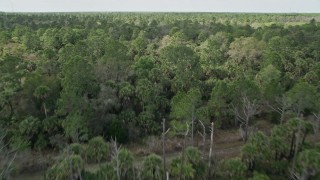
(218, 12)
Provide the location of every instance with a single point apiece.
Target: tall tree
(181, 65)
(184, 106)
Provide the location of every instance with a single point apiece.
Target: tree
(181, 170)
(125, 158)
(194, 157)
(213, 52)
(266, 77)
(233, 168)
(164, 133)
(139, 45)
(302, 97)
(51, 38)
(243, 114)
(41, 93)
(219, 103)
(273, 96)
(255, 151)
(181, 65)
(210, 151)
(245, 104)
(28, 134)
(286, 139)
(78, 86)
(97, 149)
(184, 106)
(7, 156)
(66, 168)
(75, 127)
(152, 167)
(115, 64)
(11, 72)
(246, 53)
(308, 164)
(122, 160)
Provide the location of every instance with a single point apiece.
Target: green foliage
(67, 168)
(258, 176)
(152, 167)
(308, 163)
(245, 53)
(97, 149)
(125, 163)
(66, 78)
(182, 63)
(268, 80)
(41, 92)
(143, 65)
(302, 97)
(194, 157)
(233, 168)
(76, 149)
(256, 152)
(185, 104)
(106, 171)
(181, 170)
(118, 130)
(78, 83)
(219, 102)
(75, 127)
(178, 127)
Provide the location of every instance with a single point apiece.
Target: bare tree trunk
(115, 155)
(282, 116)
(280, 107)
(45, 109)
(203, 135)
(211, 148)
(246, 130)
(244, 113)
(192, 125)
(183, 149)
(8, 159)
(164, 132)
(296, 146)
(11, 110)
(316, 122)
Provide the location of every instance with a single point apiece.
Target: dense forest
(83, 88)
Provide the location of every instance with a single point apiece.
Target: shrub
(68, 168)
(152, 167)
(97, 149)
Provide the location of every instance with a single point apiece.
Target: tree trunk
(246, 131)
(192, 126)
(163, 146)
(282, 116)
(45, 109)
(296, 147)
(183, 151)
(211, 148)
(203, 136)
(292, 146)
(11, 110)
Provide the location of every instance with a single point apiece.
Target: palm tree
(152, 167)
(42, 93)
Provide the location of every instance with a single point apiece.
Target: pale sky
(299, 6)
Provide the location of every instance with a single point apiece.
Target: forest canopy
(86, 78)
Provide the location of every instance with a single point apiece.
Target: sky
(268, 6)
